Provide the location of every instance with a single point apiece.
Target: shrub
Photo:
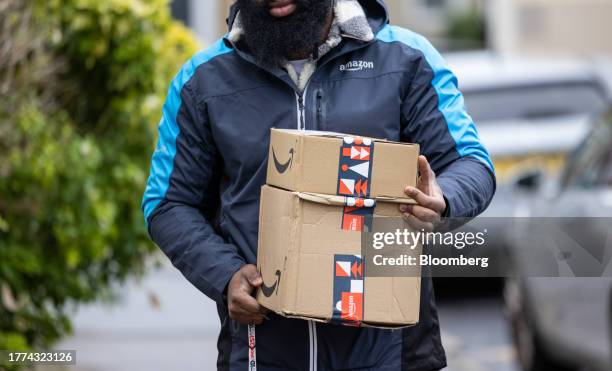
(84, 81)
(467, 29)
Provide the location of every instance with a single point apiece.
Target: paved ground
(475, 336)
(162, 323)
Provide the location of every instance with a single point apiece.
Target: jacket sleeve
(181, 196)
(434, 115)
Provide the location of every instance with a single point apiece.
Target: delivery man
(334, 65)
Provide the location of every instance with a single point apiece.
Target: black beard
(275, 40)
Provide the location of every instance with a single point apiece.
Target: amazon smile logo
(269, 290)
(282, 167)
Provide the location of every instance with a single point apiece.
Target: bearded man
(312, 65)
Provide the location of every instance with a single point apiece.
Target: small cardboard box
(332, 163)
(312, 269)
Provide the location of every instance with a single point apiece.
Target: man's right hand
(243, 308)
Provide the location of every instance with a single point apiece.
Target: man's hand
(243, 308)
(428, 194)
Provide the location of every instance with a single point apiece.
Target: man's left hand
(429, 197)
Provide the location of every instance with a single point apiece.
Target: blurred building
(432, 18)
(550, 27)
(206, 18)
(523, 27)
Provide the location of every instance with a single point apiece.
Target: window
(591, 164)
(180, 10)
(534, 101)
(434, 3)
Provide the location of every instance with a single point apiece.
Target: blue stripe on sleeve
(450, 100)
(162, 162)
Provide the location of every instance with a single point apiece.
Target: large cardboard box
(323, 190)
(332, 163)
(312, 268)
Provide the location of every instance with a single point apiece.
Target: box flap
(331, 134)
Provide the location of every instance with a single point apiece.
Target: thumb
(426, 175)
(252, 275)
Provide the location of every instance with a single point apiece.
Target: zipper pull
(319, 109)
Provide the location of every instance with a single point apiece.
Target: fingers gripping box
(309, 228)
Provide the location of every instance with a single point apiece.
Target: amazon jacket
(201, 200)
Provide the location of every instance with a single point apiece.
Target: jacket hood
(375, 10)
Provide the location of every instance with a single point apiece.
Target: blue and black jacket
(202, 198)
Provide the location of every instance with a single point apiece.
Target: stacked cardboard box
(324, 189)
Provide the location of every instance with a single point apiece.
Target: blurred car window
(590, 165)
(606, 178)
(534, 101)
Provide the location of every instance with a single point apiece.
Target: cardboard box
(312, 269)
(332, 163)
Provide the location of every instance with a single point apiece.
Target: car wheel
(530, 353)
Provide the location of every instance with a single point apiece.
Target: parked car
(529, 111)
(564, 323)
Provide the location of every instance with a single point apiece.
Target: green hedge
(82, 86)
(467, 30)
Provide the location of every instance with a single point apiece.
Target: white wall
(550, 27)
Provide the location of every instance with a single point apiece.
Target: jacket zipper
(319, 110)
(301, 107)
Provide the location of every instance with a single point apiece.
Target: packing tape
(348, 290)
(354, 173)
